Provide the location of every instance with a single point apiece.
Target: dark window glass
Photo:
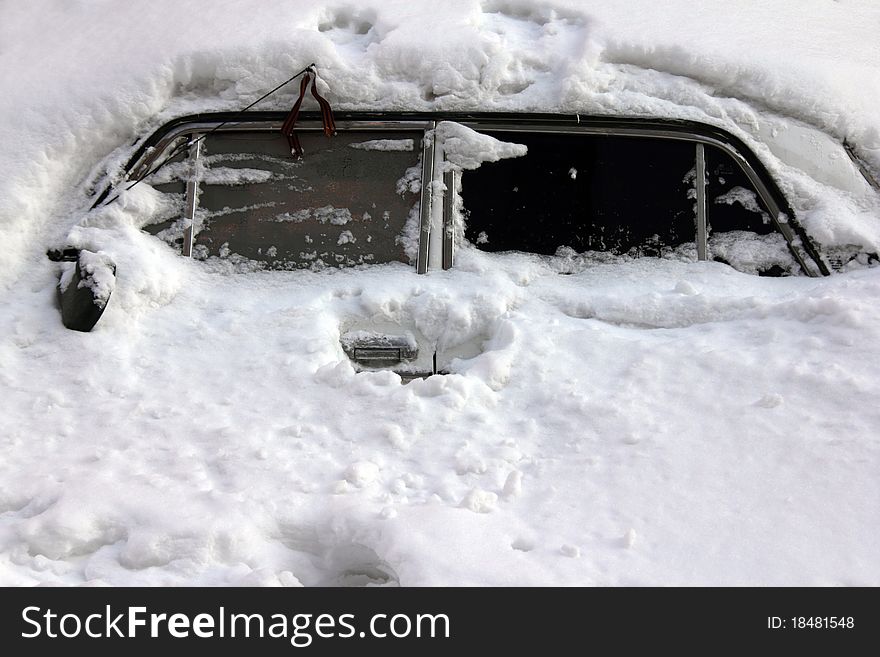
(587, 192)
(344, 203)
(171, 181)
(732, 201)
(741, 232)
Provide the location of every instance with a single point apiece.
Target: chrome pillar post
(425, 202)
(450, 179)
(192, 191)
(700, 183)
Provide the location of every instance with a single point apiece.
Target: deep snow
(633, 422)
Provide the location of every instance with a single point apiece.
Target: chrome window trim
(147, 151)
(192, 195)
(437, 235)
(700, 184)
(450, 180)
(426, 200)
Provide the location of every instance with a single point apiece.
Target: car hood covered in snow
(635, 422)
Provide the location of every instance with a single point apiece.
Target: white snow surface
(98, 275)
(634, 422)
(384, 145)
(464, 148)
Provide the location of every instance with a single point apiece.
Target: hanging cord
(288, 129)
(177, 151)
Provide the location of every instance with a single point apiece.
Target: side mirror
(85, 290)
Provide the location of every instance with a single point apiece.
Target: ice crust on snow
(326, 214)
(230, 176)
(672, 422)
(384, 145)
(744, 197)
(752, 253)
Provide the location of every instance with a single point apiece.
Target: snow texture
(653, 421)
(324, 215)
(98, 275)
(465, 148)
(744, 197)
(384, 145)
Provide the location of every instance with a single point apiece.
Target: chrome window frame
(436, 251)
(191, 202)
(426, 200)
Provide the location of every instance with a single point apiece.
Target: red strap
(326, 112)
(288, 128)
(290, 121)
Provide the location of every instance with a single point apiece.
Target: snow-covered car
(417, 188)
(613, 409)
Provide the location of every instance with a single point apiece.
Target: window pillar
(700, 183)
(192, 190)
(425, 202)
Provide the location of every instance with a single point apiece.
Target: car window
(733, 203)
(625, 195)
(356, 198)
(585, 192)
(167, 223)
(345, 203)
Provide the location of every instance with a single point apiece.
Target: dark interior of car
(597, 193)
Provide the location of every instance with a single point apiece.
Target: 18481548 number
(811, 622)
